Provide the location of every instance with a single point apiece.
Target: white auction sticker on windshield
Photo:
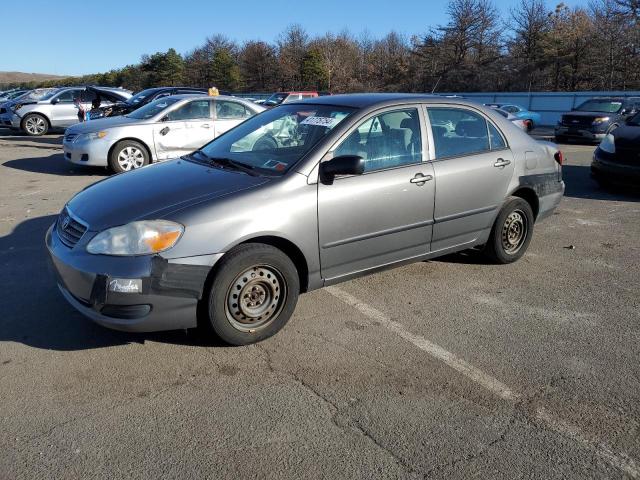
(320, 121)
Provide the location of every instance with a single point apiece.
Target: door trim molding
(468, 213)
(379, 233)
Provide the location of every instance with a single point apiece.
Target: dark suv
(593, 119)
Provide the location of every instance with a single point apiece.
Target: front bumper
(87, 152)
(9, 120)
(167, 298)
(605, 166)
(579, 133)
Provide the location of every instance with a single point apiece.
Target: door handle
(420, 179)
(164, 131)
(501, 162)
(206, 125)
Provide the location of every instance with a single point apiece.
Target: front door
(185, 129)
(65, 112)
(384, 215)
(473, 168)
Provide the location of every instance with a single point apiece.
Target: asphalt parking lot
(451, 368)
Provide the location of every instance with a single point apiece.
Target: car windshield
(47, 95)
(153, 108)
(276, 98)
(604, 106)
(634, 121)
(140, 96)
(275, 140)
(13, 95)
(38, 94)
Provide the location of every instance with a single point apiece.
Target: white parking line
(495, 386)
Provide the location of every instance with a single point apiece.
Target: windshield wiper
(225, 162)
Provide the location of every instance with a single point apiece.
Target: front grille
(70, 137)
(576, 121)
(70, 230)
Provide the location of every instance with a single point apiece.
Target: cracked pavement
(335, 394)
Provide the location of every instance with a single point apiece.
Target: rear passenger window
(226, 110)
(458, 132)
(388, 140)
(497, 142)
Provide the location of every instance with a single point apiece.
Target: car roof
(367, 100)
(199, 96)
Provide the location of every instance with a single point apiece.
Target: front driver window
(388, 140)
(196, 110)
(68, 96)
(458, 132)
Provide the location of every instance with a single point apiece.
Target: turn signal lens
(159, 241)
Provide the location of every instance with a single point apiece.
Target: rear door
(384, 215)
(186, 128)
(473, 168)
(228, 114)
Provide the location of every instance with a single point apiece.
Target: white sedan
(166, 128)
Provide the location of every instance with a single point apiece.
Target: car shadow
(34, 312)
(54, 164)
(579, 184)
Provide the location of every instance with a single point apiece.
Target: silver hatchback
(305, 195)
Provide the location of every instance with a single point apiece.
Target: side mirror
(165, 118)
(341, 165)
(55, 101)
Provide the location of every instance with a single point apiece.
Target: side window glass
(458, 132)
(68, 96)
(191, 111)
(497, 142)
(388, 140)
(226, 110)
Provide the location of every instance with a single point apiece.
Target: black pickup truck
(593, 119)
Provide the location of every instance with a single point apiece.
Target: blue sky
(77, 37)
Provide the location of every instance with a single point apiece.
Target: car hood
(577, 113)
(101, 124)
(627, 136)
(155, 191)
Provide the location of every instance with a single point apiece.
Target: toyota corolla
(305, 195)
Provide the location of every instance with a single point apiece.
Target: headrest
(408, 123)
(471, 128)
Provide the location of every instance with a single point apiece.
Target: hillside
(20, 77)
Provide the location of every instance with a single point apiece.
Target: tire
(253, 294)
(35, 125)
(511, 232)
(128, 155)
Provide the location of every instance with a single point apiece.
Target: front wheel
(35, 125)
(128, 155)
(253, 294)
(511, 232)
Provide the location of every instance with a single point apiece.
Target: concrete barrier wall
(549, 104)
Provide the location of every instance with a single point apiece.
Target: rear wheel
(253, 294)
(511, 232)
(35, 125)
(128, 155)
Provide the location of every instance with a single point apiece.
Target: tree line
(532, 48)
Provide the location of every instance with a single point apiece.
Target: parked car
(147, 96)
(6, 108)
(236, 230)
(617, 158)
(530, 119)
(594, 119)
(518, 122)
(165, 128)
(10, 95)
(57, 109)
(287, 97)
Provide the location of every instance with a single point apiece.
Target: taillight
(558, 156)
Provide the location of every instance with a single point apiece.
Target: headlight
(94, 135)
(608, 144)
(599, 120)
(137, 238)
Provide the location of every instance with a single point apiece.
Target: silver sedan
(166, 128)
